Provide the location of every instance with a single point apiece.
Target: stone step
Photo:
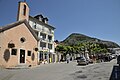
(21, 66)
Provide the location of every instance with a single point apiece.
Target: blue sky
(95, 18)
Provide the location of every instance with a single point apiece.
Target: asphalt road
(64, 71)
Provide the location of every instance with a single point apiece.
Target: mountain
(76, 38)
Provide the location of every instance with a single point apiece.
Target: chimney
(23, 11)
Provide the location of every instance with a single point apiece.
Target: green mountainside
(76, 38)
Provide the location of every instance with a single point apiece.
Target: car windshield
(81, 58)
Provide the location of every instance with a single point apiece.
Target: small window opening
(24, 10)
(22, 40)
(29, 53)
(14, 52)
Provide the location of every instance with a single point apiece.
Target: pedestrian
(67, 58)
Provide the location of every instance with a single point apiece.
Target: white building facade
(45, 33)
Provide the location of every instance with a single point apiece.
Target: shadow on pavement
(115, 75)
(81, 64)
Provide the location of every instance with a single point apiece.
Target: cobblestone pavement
(61, 71)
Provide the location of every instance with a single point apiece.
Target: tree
(80, 48)
(62, 49)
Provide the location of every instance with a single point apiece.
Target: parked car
(113, 56)
(107, 58)
(82, 61)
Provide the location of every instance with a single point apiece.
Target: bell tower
(23, 11)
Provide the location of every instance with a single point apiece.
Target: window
(49, 38)
(50, 46)
(41, 55)
(22, 40)
(42, 44)
(24, 10)
(14, 52)
(29, 53)
(37, 33)
(43, 36)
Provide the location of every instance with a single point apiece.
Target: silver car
(82, 61)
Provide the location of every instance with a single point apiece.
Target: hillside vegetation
(76, 38)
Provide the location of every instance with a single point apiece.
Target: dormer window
(45, 20)
(24, 10)
(39, 17)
